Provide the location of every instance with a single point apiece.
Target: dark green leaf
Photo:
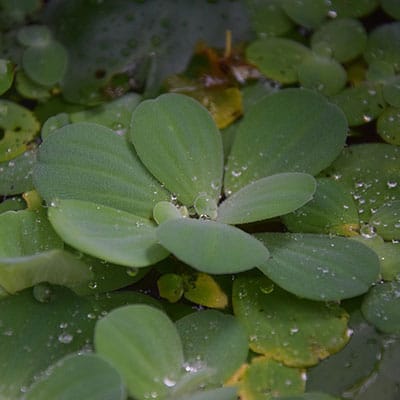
(210, 246)
(381, 307)
(388, 125)
(6, 75)
(86, 376)
(308, 13)
(34, 35)
(294, 331)
(319, 267)
(352, 8)
(267, 198)
(150, 364)
(177, 140)
(214, 340)
(275, 134)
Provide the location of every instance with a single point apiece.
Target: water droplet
(391, 184)
(42, 292)
(367, 118)
(294, 330)
(132, 271)
(236, 174)
(368, 231)
(169, 382)
(65, 338)
(92, 285)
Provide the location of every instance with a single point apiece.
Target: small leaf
(266, 379)
(53, 123)
(164, 210)
(6, 75)
(150, 364)
(277, 58)
(267, 198)
(386, 221)
(322, 74)
(275, 134)
(381, 307)
(332, 210)
(391, 91)
(57, 326)
(107, 233)
(86, 161)
(85, 376)
(361, 104)
(388, 126)
(211, 247)
(203, 289)
(215, 340)
(177, 140)
(170, 287)
(279, 325)
(308, 13)
(344, 39)
(319, 267)
(384, 45)
(29, 89)
(45, 64)
(346, 8)
(18, 127)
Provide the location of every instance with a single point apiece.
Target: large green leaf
(215, 340)
(36, 334)
(370, 173)
(267, 198)
(294, 331)
(86, 161)
(381, 307)
(276, 133)
(145, 348)
(177, 140)
(319, 267)
(85, 376)
(332, 210)
(266, 379)
(107, 233)
(210, 246)
(277, 58)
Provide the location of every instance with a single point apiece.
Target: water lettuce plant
(199, 220)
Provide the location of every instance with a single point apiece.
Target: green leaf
(45, 64)
(361, 104)
(107, 233)
(6, 75)
(381, 307)
(319, 267)
(386, 221)
(355, 9)
(370, 173)
(384, 381)
(31, 252)
(266, 379)
(164, 210)
(341, 371)
(211, 247)
(391, 91)
(16, 174)
(18, 127)
(277, 58)
(384, 45)
(86, 161)
(43, 331)
(310, 396)
(308, 13)
(332, 210)
(29, 89)
(275, 134)
(214, 340)
(114, 114)
(388, 126)
(267, 198)
(85, 376)
(323, 74)
(391, 7)
(177, 140)
(344, 39)
(295, 331)
(54, 123)
(150, 364)
(34, 35)
(225, 393)
(267, 18)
